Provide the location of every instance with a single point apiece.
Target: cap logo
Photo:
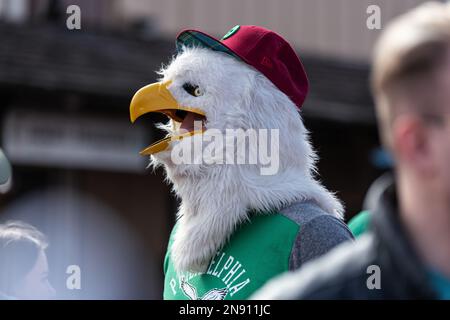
(265, 61)
(231, 32)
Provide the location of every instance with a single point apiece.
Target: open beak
(157, 98)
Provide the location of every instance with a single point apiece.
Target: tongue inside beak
(192, 122)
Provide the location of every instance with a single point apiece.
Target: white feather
(215, 294)
(188, 290)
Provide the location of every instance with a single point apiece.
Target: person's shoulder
(303, 212)
(319, 232)
(308, 213)
(340, 274)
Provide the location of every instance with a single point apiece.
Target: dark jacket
(344, 272)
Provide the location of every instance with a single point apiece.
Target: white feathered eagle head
(205, 92)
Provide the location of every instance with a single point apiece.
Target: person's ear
(411, 143)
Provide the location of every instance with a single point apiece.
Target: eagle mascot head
(249, 80)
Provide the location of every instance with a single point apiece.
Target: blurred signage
(74, 141)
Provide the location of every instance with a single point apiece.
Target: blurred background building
(64, 120)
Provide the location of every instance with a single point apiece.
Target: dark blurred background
(64, 98)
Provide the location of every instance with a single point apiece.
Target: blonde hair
(407, 57)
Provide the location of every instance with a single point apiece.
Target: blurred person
(360, 223)
(83, 229)
(382, 160)
(406, 254)
(23, 263)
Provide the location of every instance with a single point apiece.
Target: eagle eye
(192, 89)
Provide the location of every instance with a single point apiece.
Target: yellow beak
(156, 97)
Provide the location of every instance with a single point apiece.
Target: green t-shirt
(359, 224)
(257, 251)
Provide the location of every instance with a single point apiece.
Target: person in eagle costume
(237, 228)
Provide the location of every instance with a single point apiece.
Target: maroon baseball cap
(261, 48)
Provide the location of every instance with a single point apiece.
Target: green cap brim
(194, 38)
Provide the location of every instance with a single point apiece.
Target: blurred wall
(335, 28)
(328, 27)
